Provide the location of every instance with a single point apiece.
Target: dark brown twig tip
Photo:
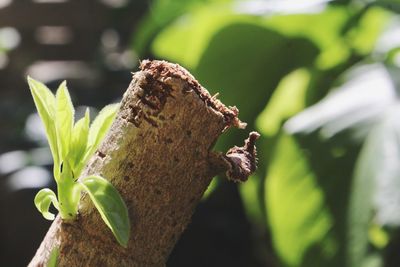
(250, 143)
(243, 160)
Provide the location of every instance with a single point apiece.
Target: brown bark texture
(158, 155)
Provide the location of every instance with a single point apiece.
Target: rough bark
(158, 155)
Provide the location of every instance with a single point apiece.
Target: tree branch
(158, 155)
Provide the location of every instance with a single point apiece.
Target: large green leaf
(218, 70)
(46, 105)
(220, 65)
(288, 99)
(110, 205)
(162, 13)
(296, 208)
(186, 42)
(42, 201)
(64, 119)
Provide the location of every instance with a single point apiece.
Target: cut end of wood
(159, 69)
(243, 160)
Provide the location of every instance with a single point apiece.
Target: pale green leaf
(99, 128)
(78, 143)
(64, 119)
(296, 209)
(101, 124)
(110, 205)
(288, 99)
(42, 201)
(45, 104)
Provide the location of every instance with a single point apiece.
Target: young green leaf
(79, 141)
(98, 130)
(64, 120)
(110, 205)
(101, 124)
(43, 199)
(45, 104)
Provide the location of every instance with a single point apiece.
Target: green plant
(72, 144)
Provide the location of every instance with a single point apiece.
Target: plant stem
(68, 198)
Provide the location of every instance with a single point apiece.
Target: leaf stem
(68, 194)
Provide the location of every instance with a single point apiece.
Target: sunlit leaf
(64, 119)
(79, 140)
(368, 29)
(101, 124)
(46, 105)
(98, 130)
(296, 208)
(186, 42)
(163, 12)
(43, 200)
(288, 98)
(110, 205)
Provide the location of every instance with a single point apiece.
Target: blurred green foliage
(321, 85)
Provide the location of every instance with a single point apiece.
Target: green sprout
(72, 145)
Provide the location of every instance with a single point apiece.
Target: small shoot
(72, 145)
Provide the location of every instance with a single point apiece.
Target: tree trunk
(158, 155)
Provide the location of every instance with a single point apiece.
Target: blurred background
(318, 79)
